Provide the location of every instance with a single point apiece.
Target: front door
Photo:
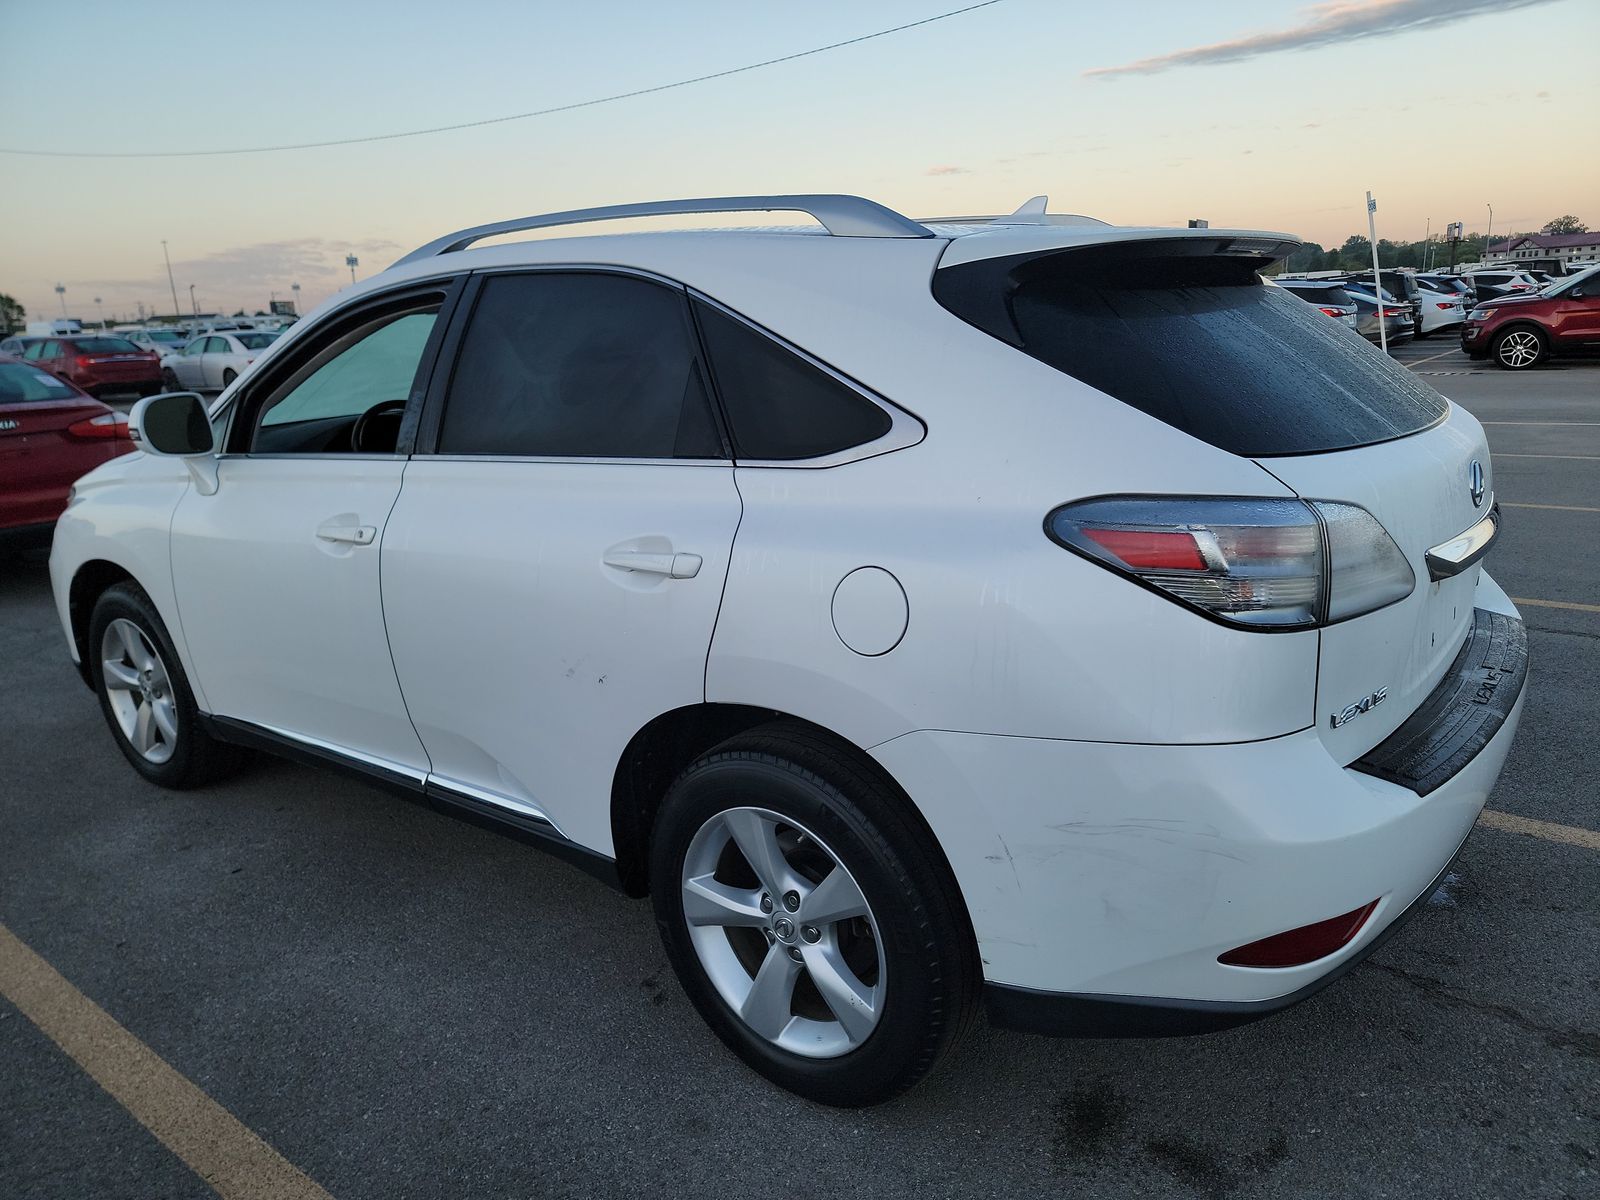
(552, 572)
(277, 572)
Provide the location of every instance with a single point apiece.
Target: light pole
(102, 313)
(295, 288)
(1427, 241)
(193, 306)
(62, 292)
(177, 312)
(351, 261)
(1488, 231)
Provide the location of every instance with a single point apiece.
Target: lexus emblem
(1477, 484)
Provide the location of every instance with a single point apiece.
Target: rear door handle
(673, 566)
(356, 535)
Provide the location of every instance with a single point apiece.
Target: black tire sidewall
(128, 601)
(898, 1051)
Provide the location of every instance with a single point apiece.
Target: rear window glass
(106, 345)
(1198, 342)
(255, 341)
(21, 384)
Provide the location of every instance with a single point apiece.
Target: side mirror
(175, 425)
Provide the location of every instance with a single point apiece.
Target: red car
(50, 434)
(1522, 331)
(98, 364)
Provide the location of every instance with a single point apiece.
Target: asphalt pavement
(406, 1006)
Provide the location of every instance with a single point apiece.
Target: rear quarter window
(1196, 341)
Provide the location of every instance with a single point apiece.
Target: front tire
(1520, 348)
(812, 922)
(145, 696)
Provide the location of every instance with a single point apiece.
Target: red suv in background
(50, 434)
(98, 364)
(1522, 331)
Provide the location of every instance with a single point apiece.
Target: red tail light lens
(1296, 947)
(1444, 305)
(80, 363)
(1334, 312)
(1258, 563)
(106, 425)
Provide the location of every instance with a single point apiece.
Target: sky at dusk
(1246, 112)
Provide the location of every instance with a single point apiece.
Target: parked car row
(145, 362)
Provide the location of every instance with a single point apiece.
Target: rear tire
(902, 965)
(169, 381)
(145, 696)
(1520, 348)
(228, 376)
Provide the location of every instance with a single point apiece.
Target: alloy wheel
(139, 690)
(1519, 348)
(784, 932)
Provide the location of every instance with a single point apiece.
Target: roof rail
(842, 216)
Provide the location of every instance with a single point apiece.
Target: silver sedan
(212, 361)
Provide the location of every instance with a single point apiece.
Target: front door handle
(355, 535)
(673, 566)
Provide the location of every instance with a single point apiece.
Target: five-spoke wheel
(783, 932)
(139, 690)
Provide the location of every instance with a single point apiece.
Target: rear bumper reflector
(1462, 714)
(1296, 947)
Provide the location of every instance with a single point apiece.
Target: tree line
(1356, 252)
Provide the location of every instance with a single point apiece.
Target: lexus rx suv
(1030, 613)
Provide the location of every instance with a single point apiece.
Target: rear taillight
(80, 363)
(1258, 563)
(106, 425)
(1296, 947)
(1447, 306)
(1334, 312)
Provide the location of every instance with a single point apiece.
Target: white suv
(1031, 612)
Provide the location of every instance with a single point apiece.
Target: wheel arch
(89, 583)
(659, 752)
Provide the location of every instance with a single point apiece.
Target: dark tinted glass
(1322, 295)
(778, 405)
(104, 345)
(1197, 342)
(587, 366)
(20, 385)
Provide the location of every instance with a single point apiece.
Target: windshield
(22, 384)
(1198, 342)
(163, 335)
(105, 345)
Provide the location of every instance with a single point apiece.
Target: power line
(543, 112)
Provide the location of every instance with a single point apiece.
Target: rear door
(552, 570)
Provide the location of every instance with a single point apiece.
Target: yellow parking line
(210, 1140)
(1568, 457)
(1556, 507)
(1567, 604)
(1568, 835)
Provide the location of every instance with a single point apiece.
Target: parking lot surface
(401, 1005)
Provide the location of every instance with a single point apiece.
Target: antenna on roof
(1034, 207)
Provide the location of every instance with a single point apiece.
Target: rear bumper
(1104, 880)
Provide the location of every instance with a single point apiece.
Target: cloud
(1326, 24)
(947, 171)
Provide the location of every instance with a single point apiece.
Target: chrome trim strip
(522, 808)
(1452, 557)
(371, 760)
(841, 216)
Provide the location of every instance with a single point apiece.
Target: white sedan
(214, 360)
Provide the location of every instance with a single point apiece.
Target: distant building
(1560, 247)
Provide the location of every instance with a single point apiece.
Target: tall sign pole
(1377, 279)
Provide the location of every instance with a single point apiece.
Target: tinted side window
(579, 365)
(778, 405)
